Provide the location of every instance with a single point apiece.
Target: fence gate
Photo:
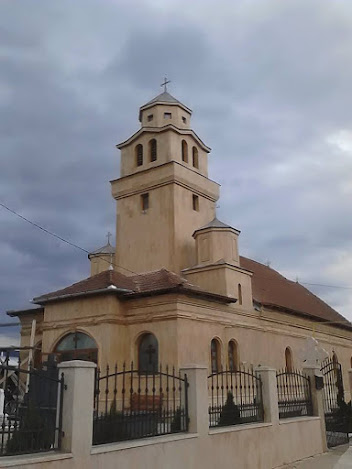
(30, 407)
(335, 407)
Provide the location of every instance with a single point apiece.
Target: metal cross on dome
(166, 81)
(109, 236)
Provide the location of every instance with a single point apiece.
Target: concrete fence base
(265, 445)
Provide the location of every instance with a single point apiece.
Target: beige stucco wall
(100, 263)
(167, 226)
(260, 446)
(128, 157)
(159, 120)
(215, 244)
(184, 328)
(169, 148)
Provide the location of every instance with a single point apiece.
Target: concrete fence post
(269, 391)
(198, 403)
(78, 406)
(317, 399)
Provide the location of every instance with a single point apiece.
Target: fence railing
(235, 397)
(131, 404)
(30, 421)
(294, 394)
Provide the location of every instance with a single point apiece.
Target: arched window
(139, 155)
(152, 150)
(184, 151)
(233, 358)
(77, 346)
(148, 353)
(195, 157)
(239, 292)
(215, 356)
(288, 359)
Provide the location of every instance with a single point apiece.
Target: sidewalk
(335, 458)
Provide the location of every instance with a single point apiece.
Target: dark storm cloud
(269, 83)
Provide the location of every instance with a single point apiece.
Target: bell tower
(163, 194)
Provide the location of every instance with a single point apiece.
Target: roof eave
(307, 315)
(24, 312)
(108, 290)
(216, 228)
(182, 290)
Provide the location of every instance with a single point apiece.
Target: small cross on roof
(166, 81)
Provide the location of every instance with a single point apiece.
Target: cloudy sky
(270, 86)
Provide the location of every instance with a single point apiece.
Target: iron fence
(338, 414)
(131, 404)
(235, 397)
(30, 407)
(294, 394)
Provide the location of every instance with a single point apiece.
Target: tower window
(150, 117)
(145, 202)
(184, 120)
(195, 202)
(215, 356)
(233, 356)
(167, 115)
(152, 150)
(288, 359)
(148, 353)
(139, 155)
(195, 157)
(239, 290)
(184, 151)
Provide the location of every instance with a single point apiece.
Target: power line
(324, 285)
(57, 236)
(70, 243)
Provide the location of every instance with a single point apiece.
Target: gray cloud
(269, 84)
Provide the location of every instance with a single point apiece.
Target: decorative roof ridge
(163, 129)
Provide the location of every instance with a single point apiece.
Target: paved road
(337, 458)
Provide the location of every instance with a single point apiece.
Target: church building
(176, 290)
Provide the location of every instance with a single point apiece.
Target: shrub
(230, 413)
(34, 432)
(178, 423)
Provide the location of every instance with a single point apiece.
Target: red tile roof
(272, 289)
(136, 285)
(96, 282)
